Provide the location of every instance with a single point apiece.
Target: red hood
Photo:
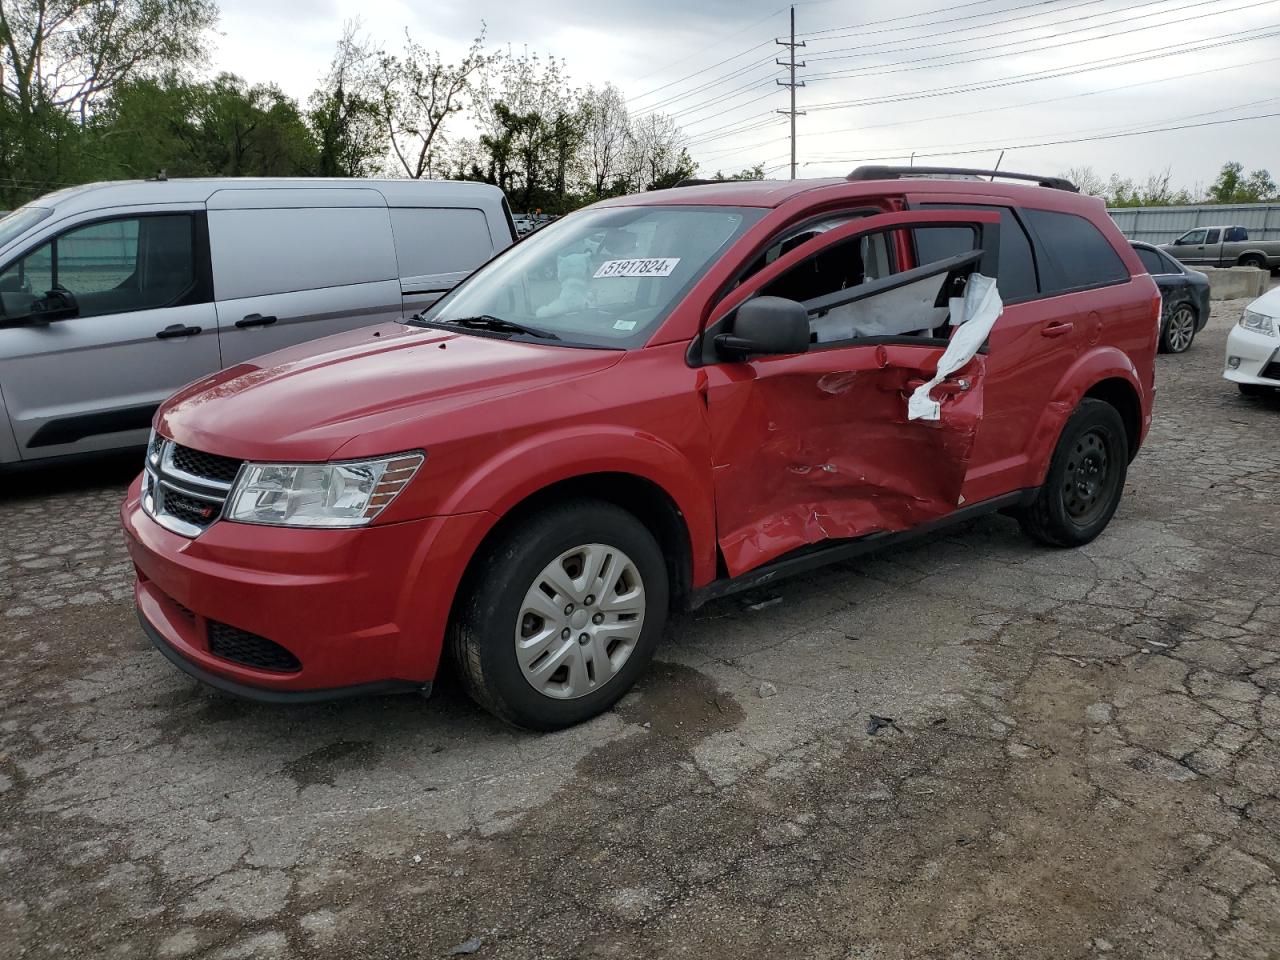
(305, 402)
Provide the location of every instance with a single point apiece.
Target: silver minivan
(114, 295)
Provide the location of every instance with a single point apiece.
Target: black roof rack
(699, 182)
(897, 173)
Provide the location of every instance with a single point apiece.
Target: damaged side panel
(839, 458)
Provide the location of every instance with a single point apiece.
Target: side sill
(812, 559)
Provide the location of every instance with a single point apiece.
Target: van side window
(1081, 256)
(114, 266)
(440, 240)
(1017, 264)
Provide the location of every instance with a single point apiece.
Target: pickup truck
(1224, 247)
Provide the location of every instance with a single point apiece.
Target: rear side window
(260, 252)
(1017, 266)
(1151, 260)
(1082, 257)
(1170, 265)
(1236, 234)
(440, 240)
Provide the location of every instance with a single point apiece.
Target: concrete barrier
(1236, 283)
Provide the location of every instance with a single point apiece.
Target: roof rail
(695, 182)
(897, 173)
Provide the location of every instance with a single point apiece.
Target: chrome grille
(184, 490)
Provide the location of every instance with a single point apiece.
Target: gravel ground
(1083, 758)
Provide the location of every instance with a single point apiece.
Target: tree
(415, 94)
(750, 173)
(351, 137)
(69, 54)
(1232, 186)
(658, 157)
(606, 135)
(226, 127)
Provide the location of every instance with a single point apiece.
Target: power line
(1058, 143)
(724, 78)
(999, 109)
(875, 70)
(1055, 72)
(906, 66)
(863, 50)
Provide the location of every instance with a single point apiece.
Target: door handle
(176, 330)
(255, 320)
(1058, 328)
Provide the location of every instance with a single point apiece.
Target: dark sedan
(1186, 298)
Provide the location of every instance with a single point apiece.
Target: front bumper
(361, 611)
(1259, 357)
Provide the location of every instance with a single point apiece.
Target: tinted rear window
(1017, 266)
(1151, 260)
(1082, 256)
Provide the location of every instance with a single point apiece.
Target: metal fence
(1164, 224)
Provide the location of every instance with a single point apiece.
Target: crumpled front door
(818, 447)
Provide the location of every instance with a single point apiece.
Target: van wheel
(1179, 330)
(561, 615)
(1085, 480)
(1253, 260)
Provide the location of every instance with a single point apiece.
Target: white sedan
(1253, 347)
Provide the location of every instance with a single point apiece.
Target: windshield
(604, 277)
(18, 222)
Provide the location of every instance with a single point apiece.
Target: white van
(114, 295)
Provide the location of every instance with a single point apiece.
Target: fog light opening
(1233, 363)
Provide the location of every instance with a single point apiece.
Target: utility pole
(793, 83)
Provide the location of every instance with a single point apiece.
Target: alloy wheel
(580, 621)
(1181, 329)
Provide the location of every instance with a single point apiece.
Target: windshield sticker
(653, 267)
(624, 324)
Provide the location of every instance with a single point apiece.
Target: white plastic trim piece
(973, 315)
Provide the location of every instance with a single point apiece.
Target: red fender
(1091, 368)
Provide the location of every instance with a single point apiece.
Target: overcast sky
(660, 52)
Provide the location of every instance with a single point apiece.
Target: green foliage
(1232, 186)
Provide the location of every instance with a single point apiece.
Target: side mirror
(54, 305)
(767, 325)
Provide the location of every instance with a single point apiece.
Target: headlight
(1258, 323)
(348, 494)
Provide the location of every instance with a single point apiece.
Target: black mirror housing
(54, 305)
(767, 325)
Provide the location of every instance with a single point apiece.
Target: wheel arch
(1120, 394)
(1107, 374)
(640, 496)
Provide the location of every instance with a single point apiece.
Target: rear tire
(1085, 480)
(1254, 261)
(1179, 329)
(561, 615)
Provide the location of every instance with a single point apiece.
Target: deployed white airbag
(973, 315)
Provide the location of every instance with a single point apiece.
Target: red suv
(653, 402)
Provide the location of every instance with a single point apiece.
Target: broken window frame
(983, 258)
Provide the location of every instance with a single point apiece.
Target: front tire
(561, 615)
(1085, 480)
(1256, 390)
(1179, 329)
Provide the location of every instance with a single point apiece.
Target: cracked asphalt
(1083, 759)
